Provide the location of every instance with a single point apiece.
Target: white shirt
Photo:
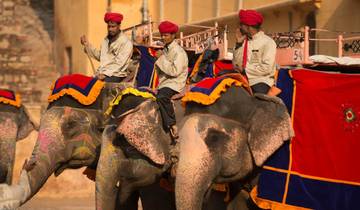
(260, 65)
(172, 67)
(114, 59)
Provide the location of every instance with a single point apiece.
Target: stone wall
(26, 48)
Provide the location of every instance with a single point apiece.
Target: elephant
(135, 153)
(15, 124)
(226, 141)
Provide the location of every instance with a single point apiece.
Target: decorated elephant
(225, 139)
(15, 124)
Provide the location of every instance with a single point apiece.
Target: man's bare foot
(174, 132)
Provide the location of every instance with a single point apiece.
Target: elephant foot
(174, 132)
(12, 196)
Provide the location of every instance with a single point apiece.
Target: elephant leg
(196, 168)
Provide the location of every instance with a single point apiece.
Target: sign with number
(298, 55)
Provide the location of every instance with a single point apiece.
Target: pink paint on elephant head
(45, 141)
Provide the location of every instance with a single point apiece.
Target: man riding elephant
(115, 53)
(15, 124)
(255, 52)
(171, 65)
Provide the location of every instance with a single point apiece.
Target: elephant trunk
(48, 153)
(107, 172)
(7, 158)
(196, 168)
(8, 133)
(46, 158)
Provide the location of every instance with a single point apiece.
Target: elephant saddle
(208, 90)
(10, 97)
(82, 88)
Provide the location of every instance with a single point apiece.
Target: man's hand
(101, 76)
(159, 53)
(239, 36)
(83, 40)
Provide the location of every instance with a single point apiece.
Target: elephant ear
(270, 126)
(26, 123)
(142, 129)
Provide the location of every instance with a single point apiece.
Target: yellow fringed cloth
(10, 97)
(130, 90)
(82, 88)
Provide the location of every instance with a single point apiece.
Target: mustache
(243, 31)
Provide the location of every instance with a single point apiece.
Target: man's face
(113, 28)
(167, 38)
(244, 29)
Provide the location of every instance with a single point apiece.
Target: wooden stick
(136, 72)
(91, 62)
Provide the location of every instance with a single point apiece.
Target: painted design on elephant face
(50, 139)
(8, 133)
(8, 127)
(84, 139)
(45, 141)
(84, 150)
(48, 144)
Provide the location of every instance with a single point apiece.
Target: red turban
(250, 17)
(168, 27)
(113, 17)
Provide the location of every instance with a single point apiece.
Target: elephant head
(135, 155)
(226, 141)
(15, 124)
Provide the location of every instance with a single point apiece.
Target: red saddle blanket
(208, 90)
(82, 88)
(10, 97)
